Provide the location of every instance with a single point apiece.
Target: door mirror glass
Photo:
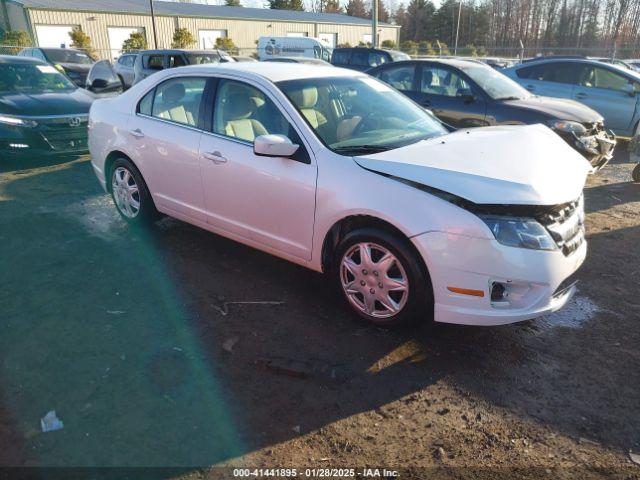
(274, 146)
(103, 79)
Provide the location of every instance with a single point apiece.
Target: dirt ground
(135, 339)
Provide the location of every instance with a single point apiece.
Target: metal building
(110, 22)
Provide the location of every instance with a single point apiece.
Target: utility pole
(455, 48)
(374, 23)
(153, 24)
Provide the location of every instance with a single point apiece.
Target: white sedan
(334, 170)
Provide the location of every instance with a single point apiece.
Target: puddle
(575, 314)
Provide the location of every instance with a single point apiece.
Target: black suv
(75, 63)
(363, 58)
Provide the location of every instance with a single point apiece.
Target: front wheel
(381, 279)
(636, 173)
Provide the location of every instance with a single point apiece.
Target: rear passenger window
(178, 100)
(155, 62)
(360, 58)
(399, 77)
(145, 105)
(341, 57)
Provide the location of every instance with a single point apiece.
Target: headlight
(17, 121)
(519, 232)
(567, 126)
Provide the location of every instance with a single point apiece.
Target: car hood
(76, 101)
(507, 165)
(558, 108)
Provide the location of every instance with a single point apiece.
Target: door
(451, 96)
(551, 79)
(263, 199)
(166, 133)
(53, 36)
(609, 93)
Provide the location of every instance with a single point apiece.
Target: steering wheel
(370, 120)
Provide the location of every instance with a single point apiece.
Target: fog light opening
(498, 292)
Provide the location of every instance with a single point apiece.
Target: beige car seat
(237, 112)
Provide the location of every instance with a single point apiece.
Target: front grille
(565, 224)
(65, 133)
(593, 128)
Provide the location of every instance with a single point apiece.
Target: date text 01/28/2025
(315, 472)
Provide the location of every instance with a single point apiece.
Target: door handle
(137, 133)
(581, 95)
(216, 157)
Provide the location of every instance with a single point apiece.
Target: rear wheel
(636, 173)
(380, 278)
(130, 193)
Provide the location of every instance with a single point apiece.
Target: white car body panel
(478, 165)
(287, 208)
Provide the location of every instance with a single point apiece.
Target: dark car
(470, 94)
(41, 111)
(75, 63)
(363, 58)
(149, 62)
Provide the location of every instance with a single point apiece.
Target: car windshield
(359, 115)
(495, 84)
(68, 56)
(200, 58)
(32, 77)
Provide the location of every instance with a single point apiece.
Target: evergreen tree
(182, 38)
(356, 8)
(82, 41)
(232, 3)
(136, 41)
(286, 5)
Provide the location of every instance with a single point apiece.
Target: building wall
(244, 33)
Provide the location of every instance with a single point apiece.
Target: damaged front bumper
(596, 147)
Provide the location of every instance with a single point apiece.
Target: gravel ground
(138, 341)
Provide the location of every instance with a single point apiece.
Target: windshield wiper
(362, 149)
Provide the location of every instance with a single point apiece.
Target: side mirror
(630, 90)
(274, 146)
(98, 83)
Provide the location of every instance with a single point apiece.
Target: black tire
(147, 213)
(636, 173)
(418, 305)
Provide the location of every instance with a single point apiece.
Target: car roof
(273, 71)
(54, 49)
(454, 62)
(163, 51)
(17, 59)
(589, 61)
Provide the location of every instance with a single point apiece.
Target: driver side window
(244, 112)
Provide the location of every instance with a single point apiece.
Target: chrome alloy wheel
(374, 280)
(125, 192)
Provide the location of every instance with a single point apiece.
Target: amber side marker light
(466, 291)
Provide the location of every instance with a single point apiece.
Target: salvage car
(334, 170)
(466, 93)
(612, 91)
(74, 63)
(41, 111)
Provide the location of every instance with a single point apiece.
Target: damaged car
(336, 171)
(467, 93)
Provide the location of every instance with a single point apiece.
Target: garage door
(207, 38)
(117, 36)
(53, 36)
(331, 39)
